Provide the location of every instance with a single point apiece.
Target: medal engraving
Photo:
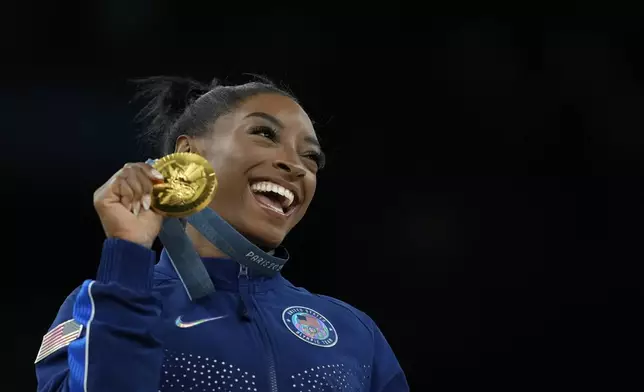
(189, 186)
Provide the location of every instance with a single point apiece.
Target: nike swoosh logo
(179, 322)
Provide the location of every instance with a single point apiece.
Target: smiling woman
(260, 142)
(137, 328)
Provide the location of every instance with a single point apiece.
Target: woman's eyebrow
(309, 139)
(268, 118)
(312, 140)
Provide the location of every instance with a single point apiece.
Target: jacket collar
(225, 274)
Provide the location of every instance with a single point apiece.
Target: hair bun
(169, 95)
(167, 98)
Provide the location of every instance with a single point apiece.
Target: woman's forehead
(280, 107)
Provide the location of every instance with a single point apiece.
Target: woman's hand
(123, 204)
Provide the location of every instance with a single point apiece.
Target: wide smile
(274, 198)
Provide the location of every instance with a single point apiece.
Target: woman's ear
(183, 144)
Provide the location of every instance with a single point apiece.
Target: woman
(134, 328)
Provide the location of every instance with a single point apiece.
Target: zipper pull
(243, 272)
(242, 310)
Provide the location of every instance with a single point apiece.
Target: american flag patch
(59, 337)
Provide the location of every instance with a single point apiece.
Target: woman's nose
(290, 168)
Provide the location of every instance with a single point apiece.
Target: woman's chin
(265, 241)
(253, 224)
(266, 237)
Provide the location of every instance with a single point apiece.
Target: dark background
(482, 202)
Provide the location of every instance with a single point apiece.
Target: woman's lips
(272, 206)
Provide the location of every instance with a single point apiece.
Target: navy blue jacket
(140, 332)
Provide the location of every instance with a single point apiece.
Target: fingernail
(156, 174)
(136, 208)
(146, 200)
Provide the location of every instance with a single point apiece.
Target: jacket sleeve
(116, 350)
(386, 373)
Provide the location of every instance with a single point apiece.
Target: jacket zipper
(243, 280)
(272, 373)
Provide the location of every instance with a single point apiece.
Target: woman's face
(264, 154)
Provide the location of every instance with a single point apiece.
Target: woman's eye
(316, 157)
(264, 131)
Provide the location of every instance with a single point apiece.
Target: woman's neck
(203, 247)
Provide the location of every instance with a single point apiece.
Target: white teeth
(267, 186)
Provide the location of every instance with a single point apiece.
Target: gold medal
(189, 185)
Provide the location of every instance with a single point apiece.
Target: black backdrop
(483, 199)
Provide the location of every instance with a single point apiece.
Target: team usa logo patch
(310, 326)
